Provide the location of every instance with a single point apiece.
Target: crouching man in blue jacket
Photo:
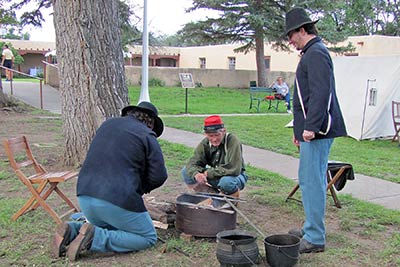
(124, 162)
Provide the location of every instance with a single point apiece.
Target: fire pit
(203, 215)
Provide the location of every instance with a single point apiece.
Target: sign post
(186, 82)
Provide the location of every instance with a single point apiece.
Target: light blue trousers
(312, 181)
(116, 229)
(227, 184)
(287, 100)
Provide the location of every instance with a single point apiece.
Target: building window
(232, 63)
(373, 95)
(267, 61)
(202, 62)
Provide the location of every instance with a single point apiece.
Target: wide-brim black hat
(149, 109)
(295, 18)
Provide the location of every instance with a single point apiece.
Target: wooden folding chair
(36, 178)
(337, 174)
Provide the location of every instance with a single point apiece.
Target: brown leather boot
(204, 188)
(235, 195)
(61, 240)
(82, 242)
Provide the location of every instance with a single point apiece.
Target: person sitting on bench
(282, 92)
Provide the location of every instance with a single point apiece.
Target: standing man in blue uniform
(317, 121)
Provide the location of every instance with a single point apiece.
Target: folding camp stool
(336, 175)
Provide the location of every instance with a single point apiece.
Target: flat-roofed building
(33, 53)
(213, 57)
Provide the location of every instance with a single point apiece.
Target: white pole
(144, 92)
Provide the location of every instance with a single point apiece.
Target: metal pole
(41, 95)
(365, 107)
(144, 92)
(244, 216)
(11, 86)
(186, 101)
(44, 72)
(1, 79)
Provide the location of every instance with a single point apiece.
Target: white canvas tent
(366, 87)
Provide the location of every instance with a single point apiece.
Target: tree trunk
(91, 70)
(259, 38)
(3, 99)
(261, 71)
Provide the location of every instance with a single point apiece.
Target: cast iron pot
(203, 221)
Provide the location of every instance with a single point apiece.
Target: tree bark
(3, 99)
(261, 71)
(91, 70)
(260, 61)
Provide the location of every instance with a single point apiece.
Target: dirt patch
(346, 247)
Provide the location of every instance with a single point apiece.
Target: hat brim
(158, 123)
(213, 128)
(158, 126)
(299, 25)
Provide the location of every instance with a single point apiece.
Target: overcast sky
(164, 16)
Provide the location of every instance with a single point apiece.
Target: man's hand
(308, 135)
(201, 178)
(295, 141)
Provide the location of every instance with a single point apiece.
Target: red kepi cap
(212, 124)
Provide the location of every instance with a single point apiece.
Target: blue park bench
(260, 94)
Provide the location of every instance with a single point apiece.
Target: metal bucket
(237, 248)
(282, 250)
(203, 221)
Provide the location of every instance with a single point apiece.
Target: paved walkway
(29, 92)
(364, 187)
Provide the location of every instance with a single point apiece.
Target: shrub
(156, 82)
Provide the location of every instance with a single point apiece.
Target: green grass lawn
(357, 223)
(26, 79)
(378, 158)
(359, 234)
(172, 100)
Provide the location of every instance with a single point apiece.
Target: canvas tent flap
(365, 88)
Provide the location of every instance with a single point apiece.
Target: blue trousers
(312, 181)
(227, 184)
(287, 100)
(116, 229)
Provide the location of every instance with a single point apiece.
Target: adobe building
(220, 65)
(211, 57)
(224, 57)
(33, 53)
(374, 45)
(158, 56)
(216, 65)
